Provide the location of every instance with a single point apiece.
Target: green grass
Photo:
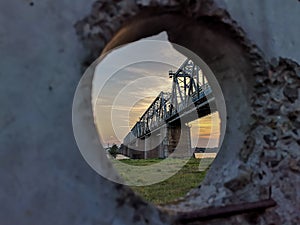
(173, 188)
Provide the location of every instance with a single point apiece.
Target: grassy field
(171, 189)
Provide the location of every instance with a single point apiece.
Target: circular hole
(228, 59)
(157, 117)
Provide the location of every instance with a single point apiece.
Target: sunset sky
(123, 91)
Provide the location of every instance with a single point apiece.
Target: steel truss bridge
(191, 98)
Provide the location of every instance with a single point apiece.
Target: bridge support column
(139, 148)
(179, 139)
(163, 149)
(146, 147)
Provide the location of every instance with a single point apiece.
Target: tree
(113, 150)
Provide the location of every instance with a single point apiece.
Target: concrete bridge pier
(147, 146)
(161, 143)
(179, 140)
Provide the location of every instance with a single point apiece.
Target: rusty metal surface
(224, 211)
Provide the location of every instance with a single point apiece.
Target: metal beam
(187, 93)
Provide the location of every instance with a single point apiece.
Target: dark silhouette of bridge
(163, 126)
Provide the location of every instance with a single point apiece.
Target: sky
(127, 81)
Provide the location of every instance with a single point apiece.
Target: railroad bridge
(163, 128)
